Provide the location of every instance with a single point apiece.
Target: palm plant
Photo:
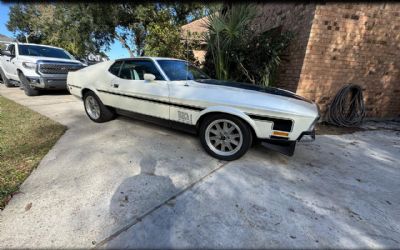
(225, 31)
(260, 59)
(237, 53)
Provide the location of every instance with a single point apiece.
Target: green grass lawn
(25, 138)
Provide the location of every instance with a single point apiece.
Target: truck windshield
(181, 70)
(35, 50)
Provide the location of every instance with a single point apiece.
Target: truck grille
(58, 68)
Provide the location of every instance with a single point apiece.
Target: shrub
(235, 53)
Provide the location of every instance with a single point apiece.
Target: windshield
(181, 70)
(35, 50)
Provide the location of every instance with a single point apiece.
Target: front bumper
(282, 146)
(44, 82)
(285, 146)
(307, 136)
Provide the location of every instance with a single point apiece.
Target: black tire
(106, 114)
(247, 137)
(4, 79)
(29, 91)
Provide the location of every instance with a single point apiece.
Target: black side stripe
(279, 124)
(154, 100)
(74, 86)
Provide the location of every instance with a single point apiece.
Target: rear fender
(85, 89)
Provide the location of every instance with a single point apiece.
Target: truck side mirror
(6, 53)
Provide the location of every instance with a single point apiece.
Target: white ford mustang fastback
(228, 116)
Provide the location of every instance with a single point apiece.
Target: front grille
(58, 68)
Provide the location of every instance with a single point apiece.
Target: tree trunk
(124, 43)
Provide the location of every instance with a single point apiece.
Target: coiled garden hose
(347, 108)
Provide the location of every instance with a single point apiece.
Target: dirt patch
(325, 128)
(328, 129)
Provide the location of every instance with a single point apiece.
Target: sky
(116, 50)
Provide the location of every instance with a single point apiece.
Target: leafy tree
(24, 22)
(164, 38)
(70, 29)
(63, 25)
(82, 28)
(131, 23)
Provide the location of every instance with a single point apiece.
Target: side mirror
(149, 77)
(6, 53)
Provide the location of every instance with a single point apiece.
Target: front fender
(27, 72)
(228, 110)
(231, 111)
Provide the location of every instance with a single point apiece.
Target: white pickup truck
(35, 67)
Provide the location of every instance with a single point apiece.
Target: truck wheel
(95, 109)
(5, 80)
(29, 91)
(225, 137)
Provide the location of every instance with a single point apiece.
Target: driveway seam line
(150, 211)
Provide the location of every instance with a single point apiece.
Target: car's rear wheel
(95, 109)
(4, 79)
(28, 89)
(225, 137)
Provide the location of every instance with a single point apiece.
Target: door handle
(115, 85)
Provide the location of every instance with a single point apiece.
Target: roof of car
(35, 44)
(149, 57)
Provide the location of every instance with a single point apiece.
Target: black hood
(240, 85)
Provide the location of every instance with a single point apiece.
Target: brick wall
(339, 43)
(296, 18)
(354, 43)
(336, 44)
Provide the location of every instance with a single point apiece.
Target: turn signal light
(279, 133)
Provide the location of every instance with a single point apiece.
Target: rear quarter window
(115, 68)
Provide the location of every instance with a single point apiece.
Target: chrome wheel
(224, 137)
(92, 107)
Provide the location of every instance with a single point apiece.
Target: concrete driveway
(127, 183)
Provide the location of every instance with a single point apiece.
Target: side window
(11, 48)
(114, 69)
(135, 70)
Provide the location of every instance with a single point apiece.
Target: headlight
(29, 65)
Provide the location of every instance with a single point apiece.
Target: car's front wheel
(28, 89)
(95, 109)
(6, 82)
(225, 137)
